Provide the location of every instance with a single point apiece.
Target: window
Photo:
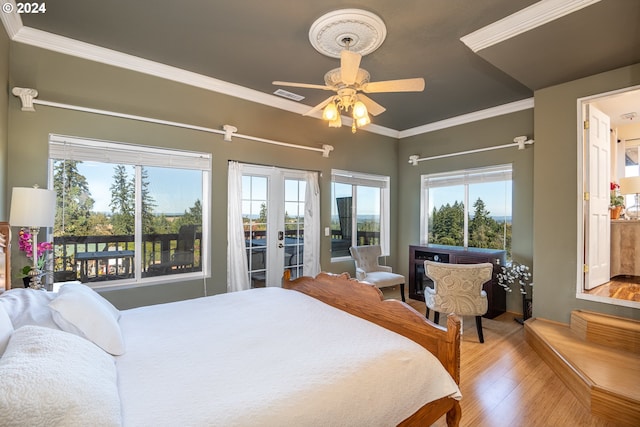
(360, 202)
(128, 213)
(468, 208)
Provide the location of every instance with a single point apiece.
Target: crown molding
(11, 20)
(522, 21)
(500, 110)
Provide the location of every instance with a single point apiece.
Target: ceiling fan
(351, 83)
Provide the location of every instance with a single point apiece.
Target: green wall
(491, 132)
(71, 80)
(556, 194)
(4, 123)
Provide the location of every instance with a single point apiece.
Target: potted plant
(518, 276)
(25, 244)
(617, 200)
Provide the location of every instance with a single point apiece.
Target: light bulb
(359, 110)
(330, 112)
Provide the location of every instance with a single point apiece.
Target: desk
(625, 247)
(126, 263)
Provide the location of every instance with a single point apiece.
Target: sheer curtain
(237, 275)
(311, 260)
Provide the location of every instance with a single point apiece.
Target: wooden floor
(620, 287)
(505, 383)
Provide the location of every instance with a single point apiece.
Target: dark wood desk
(496, 295)
(124, 260)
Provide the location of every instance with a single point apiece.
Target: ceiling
(251, 43)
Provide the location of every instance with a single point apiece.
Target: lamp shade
(630, 185)
(32, 207)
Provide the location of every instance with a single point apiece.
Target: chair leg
(436, 317)
(402, 292)
(479, 326)
(427, 314)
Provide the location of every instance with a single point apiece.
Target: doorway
(613, 116)
(273, 212)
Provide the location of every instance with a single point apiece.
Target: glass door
(273, 203)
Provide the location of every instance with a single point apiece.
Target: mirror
(608, 150)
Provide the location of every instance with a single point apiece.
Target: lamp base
(633, 212)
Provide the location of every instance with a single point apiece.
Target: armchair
(369, 270)
(458, 289)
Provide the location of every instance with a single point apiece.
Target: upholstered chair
(458, 289)
(369, 270)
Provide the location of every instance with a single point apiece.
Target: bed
(318, 351)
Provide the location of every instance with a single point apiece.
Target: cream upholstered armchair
(369, 270)
(458, 289)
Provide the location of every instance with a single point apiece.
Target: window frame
(356, 179)
(62, 147)
(464, 177)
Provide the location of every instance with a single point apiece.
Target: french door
(273, 203)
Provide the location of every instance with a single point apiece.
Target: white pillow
(82, 313)
(79, 287)
(6, 329)
(50, 377)
(28, 307)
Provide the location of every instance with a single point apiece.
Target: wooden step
(602, 373)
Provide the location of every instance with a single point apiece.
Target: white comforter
(269, 357)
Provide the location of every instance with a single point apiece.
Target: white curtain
(237, 274)
(384, 214)
(311, 260)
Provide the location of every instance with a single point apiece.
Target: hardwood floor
(505, 383)
(621, 287)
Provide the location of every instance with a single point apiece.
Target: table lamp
(631, 185)
(33, 208)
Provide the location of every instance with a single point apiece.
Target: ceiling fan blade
(349, 65)
(372, 106)
(403, 85)
(319, 106)
(304, 85)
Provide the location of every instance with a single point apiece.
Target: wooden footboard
(367, 302)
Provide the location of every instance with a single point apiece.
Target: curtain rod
(519, 141)
(28, 98)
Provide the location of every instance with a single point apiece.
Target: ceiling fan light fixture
(330, 112)
(363, 121)
(337, 123)
(360, 110)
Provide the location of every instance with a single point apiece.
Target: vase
(615, 212)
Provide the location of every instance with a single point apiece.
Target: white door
(273, 202)
(597, 230)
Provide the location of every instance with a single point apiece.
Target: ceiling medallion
(358, 30)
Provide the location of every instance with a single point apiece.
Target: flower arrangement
(25, 244)
(515, 274)
(616, 198)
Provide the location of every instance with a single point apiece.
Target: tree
(122, 202)
(148, 203)
(73, 200)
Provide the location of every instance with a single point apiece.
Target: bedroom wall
(484, 133)
(4, 94)
(71, 80)
(555, 193)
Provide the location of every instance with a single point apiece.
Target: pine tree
(122, 202)
(73, 200)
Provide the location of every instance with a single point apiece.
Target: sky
(174, 190)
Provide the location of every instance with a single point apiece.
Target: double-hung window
(359, 211)
(128, 214)
(468, 208)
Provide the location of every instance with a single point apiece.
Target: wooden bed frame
(367, 302)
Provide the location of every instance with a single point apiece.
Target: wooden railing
(158, 250)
